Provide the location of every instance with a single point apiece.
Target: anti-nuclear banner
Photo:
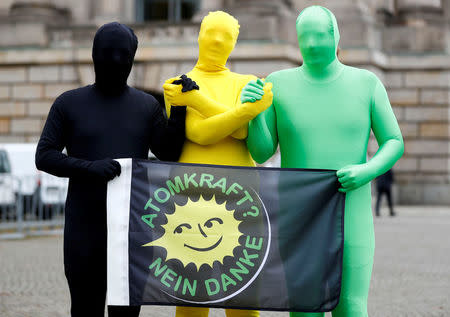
(224, 236)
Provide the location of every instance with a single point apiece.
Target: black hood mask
(113, 53)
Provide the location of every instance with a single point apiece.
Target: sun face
(199, 232)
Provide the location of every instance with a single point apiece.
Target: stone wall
(420, 99)
(26, 94)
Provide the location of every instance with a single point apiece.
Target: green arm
(390, 141)
(387, 133)
(262, 140)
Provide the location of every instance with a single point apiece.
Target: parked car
(152, 156)
(7, 197)
(52, 193)
(37, 190)
(24, 172)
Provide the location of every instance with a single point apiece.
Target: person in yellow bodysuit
(216, 120)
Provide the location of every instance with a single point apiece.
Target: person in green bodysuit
(321, 116)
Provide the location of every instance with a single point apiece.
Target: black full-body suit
(384, 186)
(96, 124)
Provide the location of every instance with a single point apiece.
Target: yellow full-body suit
(216, 120)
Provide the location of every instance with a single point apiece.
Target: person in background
(384, 186)
(97, 124)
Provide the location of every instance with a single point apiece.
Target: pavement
(411, 275)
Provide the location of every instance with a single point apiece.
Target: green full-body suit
(321, 116)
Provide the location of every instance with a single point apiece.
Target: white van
(23, 169)
(35, 187)
(7, 197)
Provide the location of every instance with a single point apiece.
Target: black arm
(50, 159)
(167, 136)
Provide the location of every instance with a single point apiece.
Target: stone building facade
(45, 49)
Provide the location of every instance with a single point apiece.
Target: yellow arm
(204, 131)
(210, 108)
(205, 106)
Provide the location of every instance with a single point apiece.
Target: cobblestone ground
(411, 274)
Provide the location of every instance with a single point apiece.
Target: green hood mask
(318, 39)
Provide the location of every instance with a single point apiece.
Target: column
(208, 6)
(4, 7)
(264, 20)
(107, 11)
(35, 11)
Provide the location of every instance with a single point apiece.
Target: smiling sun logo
(204, 238)
(200, 232)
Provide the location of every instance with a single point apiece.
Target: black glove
(187, 83)
(105, 169)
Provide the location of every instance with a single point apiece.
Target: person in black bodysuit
(384, 186)
(96, 124)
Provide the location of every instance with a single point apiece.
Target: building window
(166, 10)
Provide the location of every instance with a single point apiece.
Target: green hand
(252, 91)
(353, 176)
